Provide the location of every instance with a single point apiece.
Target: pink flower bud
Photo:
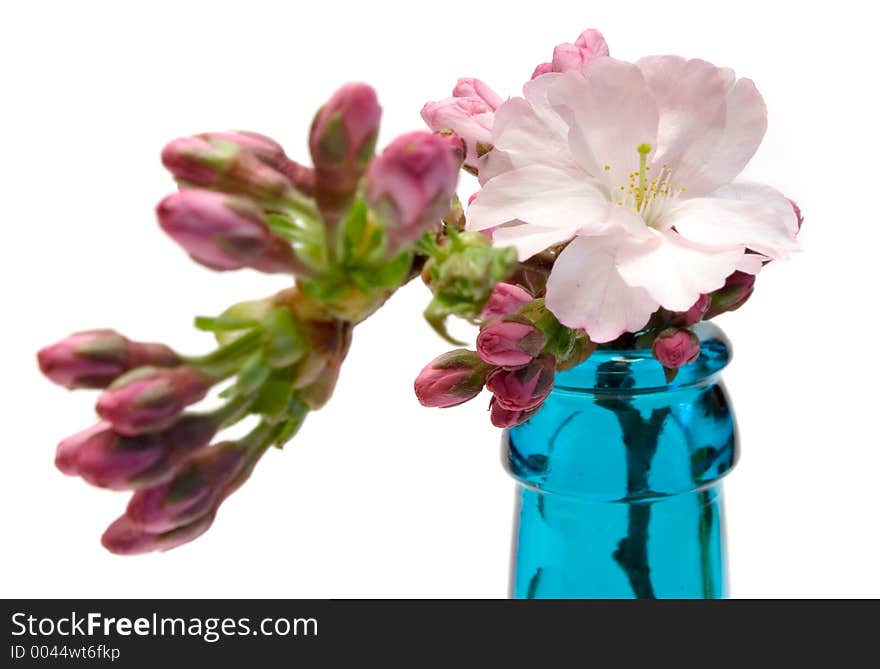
(195, 491)
(509, 343)
(92, 359)
(224, 232)
(451, 379)
(265, 148)
(502, 417)
(342, 140)
(543, 68)
(474, 88)
(468, 116)
(124, 537)
(190, 159)
(676, 347)
(411, 184)
(176, 512)
(149, 399)
(506, 299)
(695, 313)
(736, 290)
(214, 162)
(270, 153)
(525, 388)
(456, 145)
(108, 459)
(591, 44)
(106, 465)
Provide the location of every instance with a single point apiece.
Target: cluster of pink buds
(345, 229)
(144, 438)
(519, 348)
(470, 112)
(176, 511)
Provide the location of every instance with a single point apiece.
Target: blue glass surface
(618, 479)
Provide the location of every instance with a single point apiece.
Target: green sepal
(367, 149)
(250, 311)
(223, 324)
(353, 227)
(274, 397)
(327, 289)
(307, 237)
(436, 314)
(333, 143)
(394, 272)
(227, 359)
(364, 241)
(296, 411)
(252, 375)
(580, 347)
(285, 341)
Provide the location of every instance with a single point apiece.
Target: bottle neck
(614, 429)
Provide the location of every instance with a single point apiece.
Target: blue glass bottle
(619, 479)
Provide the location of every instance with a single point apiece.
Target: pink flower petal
(585, 290)
(744, 128)
(541, 195)
(674, 271)
(691, 101)
(610, 111)
(743, 214)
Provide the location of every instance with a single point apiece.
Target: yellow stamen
(643, 151)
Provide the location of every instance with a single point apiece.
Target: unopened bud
(224, 232)
(107, 459)
(149, 399)
(504, 418)
(194, 492)
(94, 358)
(271, 153)
(525, 388)
(125, 537)
(411, 184)
(676, 347)
(506, 299)
(509, 343)
(342, 140)
(736, 290)
(451, 379)
(469, 113)
(208, 161)
(694, 314)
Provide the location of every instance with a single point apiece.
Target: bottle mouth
(635, 371)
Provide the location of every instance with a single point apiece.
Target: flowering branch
(346, 231)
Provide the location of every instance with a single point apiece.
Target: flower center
(648, 196)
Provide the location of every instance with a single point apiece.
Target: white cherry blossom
(632, 165)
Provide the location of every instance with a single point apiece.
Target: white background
(378, 496)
